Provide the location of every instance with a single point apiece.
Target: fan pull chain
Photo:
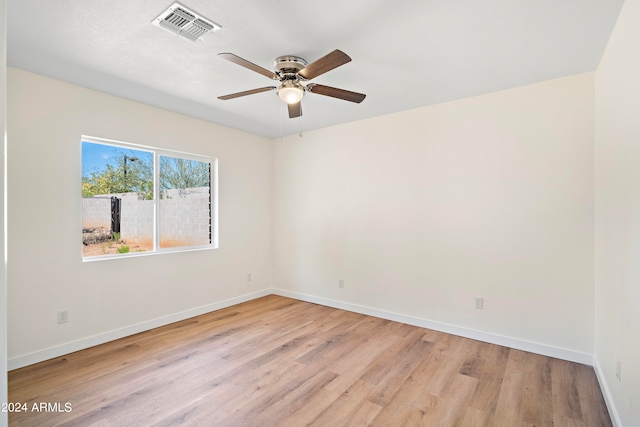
(281, 115)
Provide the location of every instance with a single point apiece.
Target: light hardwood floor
(276, 361)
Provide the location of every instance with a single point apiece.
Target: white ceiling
(406, 53)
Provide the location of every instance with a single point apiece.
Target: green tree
(133, 172)
(113, 179)
(182, 173)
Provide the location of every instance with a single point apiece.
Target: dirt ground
(110, 248)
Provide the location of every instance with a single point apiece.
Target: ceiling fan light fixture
(290, 92)
(290, 71)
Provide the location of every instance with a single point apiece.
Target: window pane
(184, 208)
(117, 200)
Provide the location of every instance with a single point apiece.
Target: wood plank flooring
(275, 361)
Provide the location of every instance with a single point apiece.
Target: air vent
(184, 22)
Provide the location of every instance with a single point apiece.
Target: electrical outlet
(341, 283)
(479, 303)
(248, 277)
(619, 370)
(63, 316)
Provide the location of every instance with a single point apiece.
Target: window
(138, 200)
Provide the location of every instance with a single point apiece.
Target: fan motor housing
(288, 65)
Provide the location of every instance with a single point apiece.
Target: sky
(96, 156)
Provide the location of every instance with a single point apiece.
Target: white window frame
(157, 152)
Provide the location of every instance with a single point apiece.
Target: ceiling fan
(293, 73)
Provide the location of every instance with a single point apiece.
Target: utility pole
(133, 159)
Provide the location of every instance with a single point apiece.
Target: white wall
(618, 215)
(3, 275)
(421, 211)
(46, 119)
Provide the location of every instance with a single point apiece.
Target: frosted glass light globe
(290, 92)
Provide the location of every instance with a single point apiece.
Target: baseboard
(532, 347)
(61, 350)
(546, 350)
(606, 393)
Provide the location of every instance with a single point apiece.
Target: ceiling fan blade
(334, 92)
(250, 65)
(247, 92)
(324, 64)
(295, 110)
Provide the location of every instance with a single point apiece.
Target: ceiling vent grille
(184, 22)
